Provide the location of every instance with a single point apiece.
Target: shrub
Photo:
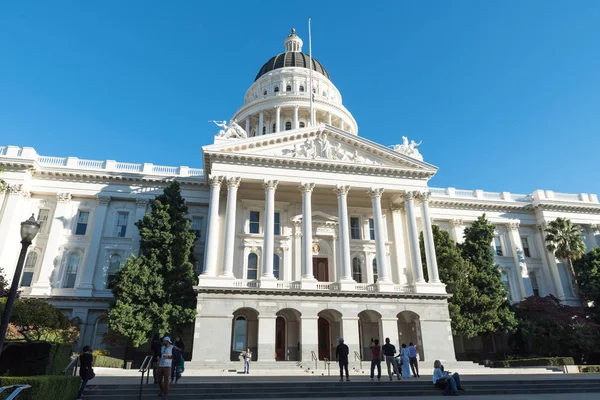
(107, 362)
(100, 352)
(44, 387)
(534, 362)
(589, 369)
(35, 358)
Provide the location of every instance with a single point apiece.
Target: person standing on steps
(164, 366)
(375, 359)
(389, 350)
(405, 361)
(414, 362)
(341, 353)
(85, 369)
(247, 359)
(155, 345)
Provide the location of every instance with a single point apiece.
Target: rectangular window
(197, 223)
(82, 222)
(354, 228)
(277, 227)
(506, 282)
(371, 229)
(122, 218)
(534, 283)
(254, 222)
(525, 243)
(498, 246)
(42, 219)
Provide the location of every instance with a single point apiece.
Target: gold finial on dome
(293, 32)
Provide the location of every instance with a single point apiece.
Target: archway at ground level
(409, 330)
(329, 331)
(244, 333)
(369, 328)
(287, 335)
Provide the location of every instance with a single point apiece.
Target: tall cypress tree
(154, 291)
(490, 307)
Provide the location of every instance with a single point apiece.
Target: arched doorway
(409, 331)
(369, 325)
(244, 333)
(287, 335)
(329, 330)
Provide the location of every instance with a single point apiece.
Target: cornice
(478, 205)
(586, 208)
(71, 175)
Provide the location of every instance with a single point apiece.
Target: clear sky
(505, 95)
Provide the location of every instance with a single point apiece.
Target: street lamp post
(29, 229)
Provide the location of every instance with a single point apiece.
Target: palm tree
(564, 240)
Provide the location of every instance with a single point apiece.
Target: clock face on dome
(316, 248)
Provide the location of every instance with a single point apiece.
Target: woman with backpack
(177, 365)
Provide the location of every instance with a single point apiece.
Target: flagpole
(311, 74)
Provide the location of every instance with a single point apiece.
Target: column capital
(104, 200)
(270, 185)
(541, 227)
(215, 181)
(375, 193)
(141, 202)
(513, 226)
(233, 182)
(341, 190)
(410, 195)
(455, 223)
(423, 196)
(306, 187)
(63, 197)
(17, 189)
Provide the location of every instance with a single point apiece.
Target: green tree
(456, 272)
(564, 240)
(490, 307)
(587, 269)
(154, 291)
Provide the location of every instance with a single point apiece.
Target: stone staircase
(329, 388)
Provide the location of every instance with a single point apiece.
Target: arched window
(29, 269)
(100, 329)
(356, 270)
(276, 90)
(265, 93)
(252, 266)
(276, 266)
(301, 88)
(240, 329)
(506, 282)
(324, 94)
(274, 127)
(253, 133)
(302, 124)
(264, 130)
(288, 126)
(71, 273)
(375, 274)
(114, 263)
(288, 88)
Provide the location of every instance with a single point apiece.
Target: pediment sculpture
(231, 131)
(320, 148)
(408, 149)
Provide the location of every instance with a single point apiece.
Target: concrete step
(250, 390)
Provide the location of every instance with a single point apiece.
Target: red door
(321, 269)
(324, 335)
(280, 339)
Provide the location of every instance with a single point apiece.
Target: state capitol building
(306, 231)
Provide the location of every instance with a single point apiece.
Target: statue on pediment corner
(231, 131)
(408, 148)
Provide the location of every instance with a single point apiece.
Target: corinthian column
(232, 187)
(212, 236)
(308, 280)
(383, 269)
(413, 237)
(277, 119)
(342, 195)
(430, 256)
(269, 231)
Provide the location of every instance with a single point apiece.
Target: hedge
(534, 362)
(35, 359)
(589, 369)
(44, 387)
(107, 362)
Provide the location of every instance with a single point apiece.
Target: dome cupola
(293, 43)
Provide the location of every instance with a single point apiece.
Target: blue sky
(504, 94)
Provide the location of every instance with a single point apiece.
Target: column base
(41, 289)
(268, 282)
(385, 286)
(347, 284)
(308, 284)
(429, 288)
(215, 281)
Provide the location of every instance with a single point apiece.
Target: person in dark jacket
(178, 348)
(85, 369)
(155, 346)
(341, 353)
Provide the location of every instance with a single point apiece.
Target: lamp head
(29, 229)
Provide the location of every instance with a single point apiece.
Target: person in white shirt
(247, 359)
(442, 380)
(164, 366)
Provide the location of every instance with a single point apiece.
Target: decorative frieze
(63, 197)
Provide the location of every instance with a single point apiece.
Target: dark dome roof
(291, 59)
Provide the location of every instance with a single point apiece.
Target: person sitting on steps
(443, 380)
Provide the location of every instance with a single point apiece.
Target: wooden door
(280, 337)
(324, 342)
(321, 269)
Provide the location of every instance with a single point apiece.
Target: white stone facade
(305, 234)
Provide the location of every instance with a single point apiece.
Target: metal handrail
(75, 364)
(326, 363)
(15, 393)
(358, 357)
(145, 367)
(315, 359)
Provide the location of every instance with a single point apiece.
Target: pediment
(321, 144)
